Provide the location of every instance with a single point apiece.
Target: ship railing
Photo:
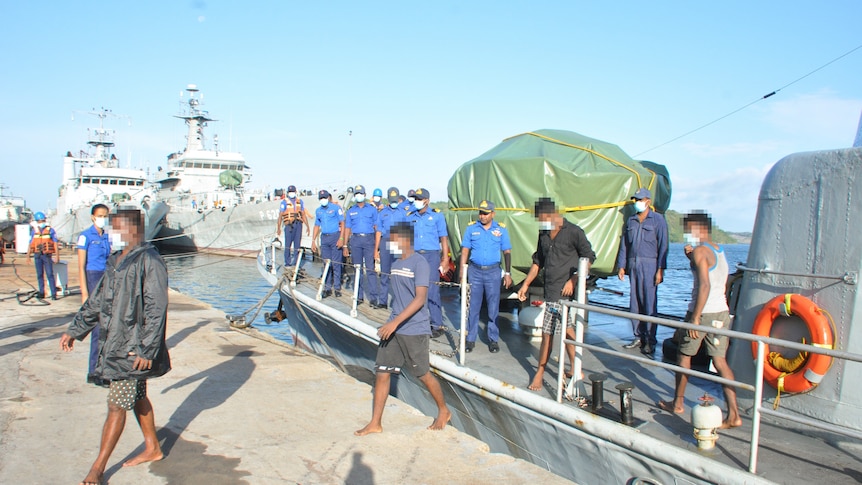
(581, 307)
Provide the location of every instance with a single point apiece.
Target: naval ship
(603, 425)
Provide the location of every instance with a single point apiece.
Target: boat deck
(787, 454)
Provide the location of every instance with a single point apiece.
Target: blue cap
(393, 193)
(486, 206)
(323, 194)
(291, 188)
(359, 189)
(642, 193)
(377, 193)
(411, 193)
(39, 216)
(421, 194)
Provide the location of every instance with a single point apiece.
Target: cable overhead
(751, 103)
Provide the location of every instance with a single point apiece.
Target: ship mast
(101, 139)
(196, 119)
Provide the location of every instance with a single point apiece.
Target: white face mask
(393, 248)
(393, 205)
(292, 195)
(43, 225)
(117, 243)
(546, 225)
(689, 238)
(100, 222)
(376, 199)
(410, 199)
(359, 198)
(640, 206)
(324, 202)
(419, 204)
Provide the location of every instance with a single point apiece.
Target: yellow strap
(780, 388)
(609, 205)
(787, 303)
(824, 346)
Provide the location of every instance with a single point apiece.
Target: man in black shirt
(561, 244)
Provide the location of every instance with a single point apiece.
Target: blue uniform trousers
(329, 251)
(292, 238)
(643, 298)
(434, 308)
(93, 278)
(386, 260)
(484, 283)
(362, 253)
(45, 267)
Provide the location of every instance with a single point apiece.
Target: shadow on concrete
(178, 337)
(186, 461)
(34, 333)
(360, 473)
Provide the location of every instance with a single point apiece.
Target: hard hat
(39, 216)
(378, 193)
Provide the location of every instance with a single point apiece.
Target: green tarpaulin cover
(591, 181)
(230, 179)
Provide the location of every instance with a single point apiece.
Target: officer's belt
(362, 234)
(423, 251)
(484, 266)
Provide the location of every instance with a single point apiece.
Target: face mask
(376, 199)
(393, 205)
(419, 204)
(393, 248)
(410, 199)
(100, 222)
(690, 239)
(546, 225)
(324, 202)
(359, 198)
(292, 195)
(640, 206)
(43, 225)
(117, 243)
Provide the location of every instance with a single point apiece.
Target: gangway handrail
(849, 277)
(759, 341)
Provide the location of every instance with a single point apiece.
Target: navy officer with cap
(407, 204)
(481, 246)
(329, 225)
(291, 215)
(389, 215)
(359, 232)
(432, 242)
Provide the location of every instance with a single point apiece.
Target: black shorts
(404, 351)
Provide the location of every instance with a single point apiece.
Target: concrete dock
(235, 409)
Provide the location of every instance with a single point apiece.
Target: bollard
(626, 414)
(598, 381)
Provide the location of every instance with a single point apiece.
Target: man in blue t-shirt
(94, 248)
(404, 339)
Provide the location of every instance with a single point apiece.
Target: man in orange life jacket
(43, 244)
(291, 215)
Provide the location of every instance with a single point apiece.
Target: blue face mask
(419, 204)
(359, 198)
(43, 225)
(393, 205)
(324, 202)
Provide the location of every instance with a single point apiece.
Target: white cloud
(818, 116)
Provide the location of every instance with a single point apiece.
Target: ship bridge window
(86, 180)
(198, 165)
(103, 181)
(113, 182)
(139, 183)
(122, 182)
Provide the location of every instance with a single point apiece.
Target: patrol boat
(95, 177)
(13, 211)
(804, 254)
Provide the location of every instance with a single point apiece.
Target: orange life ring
(816, 365)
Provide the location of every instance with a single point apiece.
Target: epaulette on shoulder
(436, 210)
(471, 223)
(501, 224)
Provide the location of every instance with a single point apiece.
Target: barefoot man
(708, 307)
(405, 338)
(561, 244)
(129, 305)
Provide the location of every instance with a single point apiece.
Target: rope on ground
(240, 320)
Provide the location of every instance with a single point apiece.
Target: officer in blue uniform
(388, 216)
(432, 242)
(407, 203)
(329, 225)
(94, 248)
(291, 215)
(481, 246)
(377, 199)
(643, 255)
(359, 232)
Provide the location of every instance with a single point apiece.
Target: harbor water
(233, 284)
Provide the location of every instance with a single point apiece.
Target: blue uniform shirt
(361, 220)
(98, 247)
(387, 217)
(644, 240)
(485, 244)
(407, 274)
(328, 218)
(428, 228)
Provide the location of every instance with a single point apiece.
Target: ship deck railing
(581, 307)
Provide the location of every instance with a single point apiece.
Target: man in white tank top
(708, 307)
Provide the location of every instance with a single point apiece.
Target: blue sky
(425, 87)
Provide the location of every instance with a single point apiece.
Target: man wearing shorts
(708, 308)
(129, 305)
(561, 245)
(404, 340)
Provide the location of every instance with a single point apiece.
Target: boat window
(208, 165)
(122, 182)
(103, 181)
(198, 165)
(139, 183)
(113, 182)
(86, 180)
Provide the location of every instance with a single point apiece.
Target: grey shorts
(404, 351)
(716, 345)
(552, 317)
(126, 393)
